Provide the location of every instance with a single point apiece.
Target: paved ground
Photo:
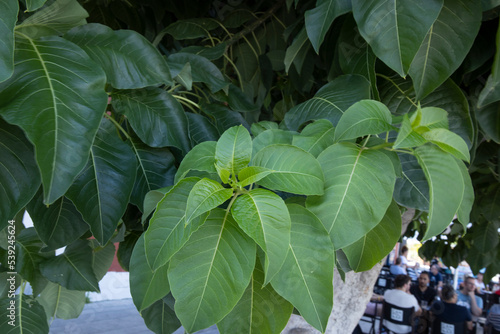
(109, 317)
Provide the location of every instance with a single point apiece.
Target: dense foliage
(240, 151)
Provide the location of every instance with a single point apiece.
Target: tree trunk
(349, 298)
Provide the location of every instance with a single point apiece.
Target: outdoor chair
(396, 315)
(441, 327)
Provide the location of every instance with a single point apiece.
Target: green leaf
(28, 255)
(61, 120)
(412, 189)
(485, 237)
(259, 127)
(167, 231)
(491, 91)
(294, 170)
(489, 120)
(395, 29)
(224, 258)
(111, 166)
(209, 52)
(446, 187)
(54, 19)
(319, 19)
(202, 70)
(252, 174)
(9, 10)
(270, 137)
(296, 53)
(407, 137)
(190, 28)
(102, 258)
(367, 117)
(184, 77)
(260, 310)
(206, 195)
(449, 142)
(60, 302)
(19, 175)
(201, 129)
(126, 248)
(445, 46)
(429, 118)
(155, 115)
(146, 285)
(200, 158)
(160, 317)
(306, 278)
(73, 268)
(25, 316)
(57, 225)
(377, 243)
(315, 137)
(330, 101)
(34, 4)
(233, 151)
(128, 58)
(264, 217)
(151, 199)
(358, 190)
(468, 196)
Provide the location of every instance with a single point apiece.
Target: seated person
(480, 287)
(436, 280)
(493, 319)
(448, 311)
(467, 298)
(400, 296)
(422, 291)
(396, 268)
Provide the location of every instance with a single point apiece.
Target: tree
(241, 152)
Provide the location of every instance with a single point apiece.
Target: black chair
(371, 318)
(441, 327)
(397, 316)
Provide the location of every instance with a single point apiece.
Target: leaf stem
(118, 126)
(182, 98)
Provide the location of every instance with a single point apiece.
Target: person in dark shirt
(448, 311)
(422, 291)
(436, 280)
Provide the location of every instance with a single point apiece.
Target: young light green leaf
(234, 150)
(366, 117)
(223, 258)
(446, 187)
(206, 195)
(407, 137)
(429, 118)
(306, 277)
(330, 101)
(395, 29)
(146, 285)
(264, 217)
(200, 158)
(445, 46)
(449, 142)
(128, 58)
(295, 170)
(491, 91)
(60, 302)
(315, 137)
(9, 10)
(167, 231)
(358, 190)
(252, 174)
(270, 137)
(377, 243)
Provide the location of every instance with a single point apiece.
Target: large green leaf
(294, 170)
(358, 190)
(296, 53)
(330, 101)
(465, 207)
(111, 166)
(29, 256)
(485, 237)
(54, 19)
(491, 91)
(60, 302)
(319, 19)
(57, 97)
(449, 142)
(270, 137)
(128, 58)
(201, 129)
(366, 117)
(33, 5)
(73, 268)
(102, 258)
(395, 29)
(168, 231)
(160, 317)
(445, 46)
(221, 261)
(25, 316)
(146, 285)
(206, 195)
(265, 218)
(9, 10)
(446, 187)
(412, 190)
(488, 118)
(315, 137)
(19, 175)
(57, 225)
(306, 278)
(260, 310)
(200, 158)
(233, 152)
(155, 115)
(377, 243)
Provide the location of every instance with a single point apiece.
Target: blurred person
(467, 298)
(480, 287)
(493, 319)
(400, 296)
(397, 268)
(449, 311)
(422, 291)
(436, 280)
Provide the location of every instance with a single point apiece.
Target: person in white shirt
(401, 297)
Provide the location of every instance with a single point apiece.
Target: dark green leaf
(491, 91)
(102, 258)
(160, 317)
(209, 52)
(26, 315)
(28, 255)
(190, 28)
(201, 129)
(489, 120)
(60, 302)
(9, 10)
(296, 53)
(485, 237)
(125, 249)
(412, 189)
